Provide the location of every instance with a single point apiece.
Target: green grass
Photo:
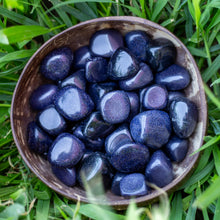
(25, 25)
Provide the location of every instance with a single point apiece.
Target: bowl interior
(75, 37)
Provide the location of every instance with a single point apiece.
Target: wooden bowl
(75, 37)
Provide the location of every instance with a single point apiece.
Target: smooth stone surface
(152, 128)
(81, 55)
(96, 69)
(161, 53)
(122, 65)
(38, 140)
(57, 63)
(143, 77)
(66, 150)
(97, 90)
(137, 42)
(175, 77)
(95, 127)
(96, 171)
(155, 97)
(134, 104)
(65, 175)
(159, 169)
(184, 116)
(172, 95)
(43, 96)
(117, 138)
(73, 103)
(130, 157)
(115, 107)
(133, 185)
(177, 148)
(105, 42)
(76, 79)
(141, 95)
(51, 121)
(115, 188)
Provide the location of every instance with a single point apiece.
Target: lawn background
(26, 25)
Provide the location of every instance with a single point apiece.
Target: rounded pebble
(152, 128)
(81, 55)
(66, 151)
(115, 107)
(134, 104)
(115, 188)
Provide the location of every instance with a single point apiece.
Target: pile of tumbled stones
(115, 109)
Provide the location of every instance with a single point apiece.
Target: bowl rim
(122, 204)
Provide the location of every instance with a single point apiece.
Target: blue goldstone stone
(115, 188)
(81, 55)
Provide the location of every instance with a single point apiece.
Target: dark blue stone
(95, 127)
(143, 77)
(73, 103)
(152, 128)
(105, 42)
(175, 77)
(43, 96)
(122, 65)
(177, 148)
(137, 42)
(97, 90)
(133, 185)
(38, 140)
(115, 107)
(76, 79)
(173, 95)
(134, 103)
(155, 97)
(96, 171)
(116, 183)
(161, 53)
(184, 116)
(130, 157)
(57, 63)
(81, 55)
(141, 95)
(66, 151)
(117, 138)
(51, 121)
(65, 175)
(96, 69)
(159, 169)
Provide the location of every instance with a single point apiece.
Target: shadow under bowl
(75, 37)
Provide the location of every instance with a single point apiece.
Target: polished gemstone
(134, 103)
(115, 188)
(81, 55)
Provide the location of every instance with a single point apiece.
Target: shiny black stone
(97, 90)
(117, 138)
(184, 116)
(38, 140)
(161, 53)
(66, 150)
(137, 42)
(96, 171)
(115, 188)
(96, 69)
(152, 128)
(115, 107)
(155, 97)
(130, 157)
(95, 127)
(122, 65)
(73, 103)
(159, 169)
(57, 63)
(134, 103)
(175, 77)
(76, 79)
(143, 77)
(65, 175)
(133, 185)
(51, 121)
(43, 96)
(105, 42)
(177, 148)
(81, 55)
